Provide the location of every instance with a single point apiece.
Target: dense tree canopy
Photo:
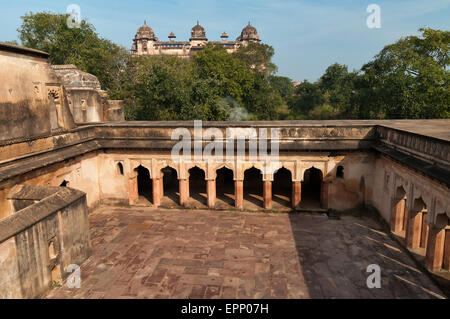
(80, 46)
(407, 79)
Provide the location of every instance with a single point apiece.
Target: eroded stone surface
(157, 253)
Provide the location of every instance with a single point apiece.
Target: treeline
(407, 79)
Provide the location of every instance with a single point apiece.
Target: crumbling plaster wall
(28, 265)
(32, 102)
(81, 173)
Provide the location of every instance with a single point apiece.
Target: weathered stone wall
(32, 102)
(389, 175)
(115, 112)
(83, 93)
(87, 101)
(39, 242)
(80, 172)
(87, 157)
(344, 193)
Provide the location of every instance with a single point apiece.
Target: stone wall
(40, 241)
(32, 102)
(87, 101)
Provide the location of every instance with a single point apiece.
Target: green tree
(409, 79)
(80, 46)
(307, 96)
(257, 57)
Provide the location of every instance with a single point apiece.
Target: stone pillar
(267, 194)
(446, 263)
(161, 184)
(184, 191)
(324, 195)
(397, 215)
(435, 249)
(425, 231)
(239, 194)
(211, 192)
(156, 191)
(133, 192)
(413, 230)
(296, 194)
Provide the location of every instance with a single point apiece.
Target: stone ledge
(23, 219)
(440, 174)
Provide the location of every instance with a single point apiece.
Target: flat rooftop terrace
(157, 253)
(437, 128)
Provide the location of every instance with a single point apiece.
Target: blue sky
(307, 35)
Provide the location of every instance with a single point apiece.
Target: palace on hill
(146, 43)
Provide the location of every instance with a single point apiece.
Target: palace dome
(145, 32)
(198, 32)
(249, 33)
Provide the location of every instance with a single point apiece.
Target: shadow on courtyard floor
(334, 256)
(143, 252)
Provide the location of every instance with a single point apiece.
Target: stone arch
(244, 166)
(170, 186)
(423, 194)
(289, 166)
(253, 186)
(282, 186)
(144, 183)
(224, 165)
(316, 165)
(197, 184)
(312, 187)
(134, 165)
(225, 188)
(120, 169)
(54, 98)
(160, 165)
(399, 211)
(340, 171)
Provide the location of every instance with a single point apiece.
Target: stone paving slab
(157, 253)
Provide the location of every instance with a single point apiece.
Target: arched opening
(197, 186)
(311, 188)
(340, 171)
(171, 195)
(53, 262)
(282, 188)
(399, 213)
(145, 189)
(253, 188)
(120, 168)
(64, 183)
(224, 188)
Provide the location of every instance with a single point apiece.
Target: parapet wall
(41, 240)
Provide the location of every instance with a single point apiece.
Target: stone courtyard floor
(158, 253)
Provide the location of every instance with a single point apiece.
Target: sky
(307, 35)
